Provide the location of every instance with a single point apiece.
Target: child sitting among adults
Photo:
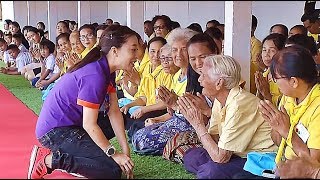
(48, 65)
(21, 59)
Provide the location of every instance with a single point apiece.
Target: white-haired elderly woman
(236, 126)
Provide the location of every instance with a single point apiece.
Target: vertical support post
(135, 16)
(237, 35)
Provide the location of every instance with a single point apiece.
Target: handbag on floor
(179, 144)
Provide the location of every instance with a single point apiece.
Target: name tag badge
(302, 132)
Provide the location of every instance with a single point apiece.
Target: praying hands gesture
(260, 63)
(167, 96)
(190, 112)
(262, 86)
(35, 53)
(278, 120)
(200, 102)
(71, 59)
(60, 61)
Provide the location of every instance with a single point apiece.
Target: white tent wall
(185, 12)
(133, 14)
(38, 12)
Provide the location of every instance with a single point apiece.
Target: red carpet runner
(17, 137)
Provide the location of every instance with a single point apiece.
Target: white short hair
(179, 34)
(165, 47)
(227, 67)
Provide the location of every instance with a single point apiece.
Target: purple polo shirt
(86, 86)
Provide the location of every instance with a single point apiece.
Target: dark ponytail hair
(295, 61)
(193, 85)
(112, 36)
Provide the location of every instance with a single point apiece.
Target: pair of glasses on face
(158, 27)
(165, 59)
(88, 36)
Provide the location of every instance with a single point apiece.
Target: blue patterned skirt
(152, 139)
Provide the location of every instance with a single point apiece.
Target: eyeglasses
(88, 36)
(165, 59)
(160, 27)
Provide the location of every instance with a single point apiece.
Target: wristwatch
(111, 150)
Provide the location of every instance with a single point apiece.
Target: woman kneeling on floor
(67, 125)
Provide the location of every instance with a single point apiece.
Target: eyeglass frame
(159, 27)
(166, 59)
(88, 36)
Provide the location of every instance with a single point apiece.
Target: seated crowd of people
(175, 95)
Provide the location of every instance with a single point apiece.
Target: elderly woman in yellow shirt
(236, 127)
(157, 131)
(266, 87)
(295, 126)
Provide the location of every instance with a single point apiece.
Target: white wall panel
(117, 11)
(98, 11)
(8, 10)
(60, 10)
(20, 12)
(204, 11)
(269, 13)
(67, 10)
(151, 8)
(176, 10)
(38, 11)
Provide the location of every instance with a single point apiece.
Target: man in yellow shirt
(256, 48)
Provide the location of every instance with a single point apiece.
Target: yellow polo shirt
(86, 51)
(274, 89)
(240, 125)
(256, 48)
(179, 86)
(148, 85)
(144, 62)
(310, 118)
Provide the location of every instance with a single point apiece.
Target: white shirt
(50, 63)
(23, 48)
(23, 59)
(7, 57)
